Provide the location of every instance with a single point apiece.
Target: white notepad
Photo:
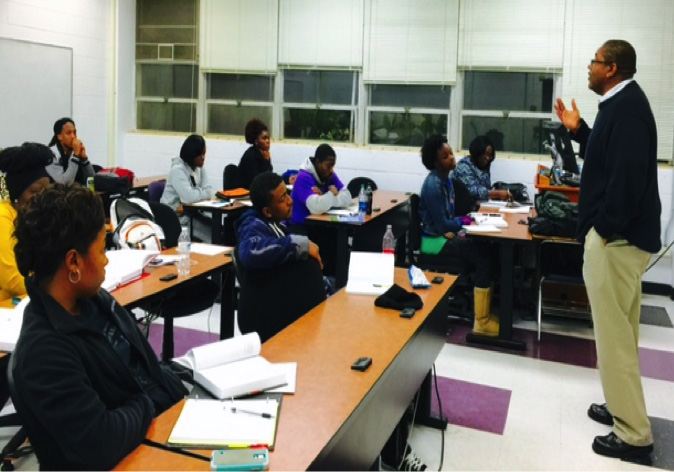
(11, 320)
(370, 273)
(219, 424)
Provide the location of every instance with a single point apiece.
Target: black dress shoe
(600, 414)
(612, 446)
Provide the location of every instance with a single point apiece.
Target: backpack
(133, 225)
(557, 215)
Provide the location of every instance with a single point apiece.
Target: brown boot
(485, 323)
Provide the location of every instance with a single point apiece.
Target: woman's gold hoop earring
(77, 274)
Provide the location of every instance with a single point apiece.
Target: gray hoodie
(179, 188)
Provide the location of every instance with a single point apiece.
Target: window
(319, 104)
(507, 107)
(233, 99)
(167, 74)
(405, 115)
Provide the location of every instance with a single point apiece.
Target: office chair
(230, 177)
(463, 202)
(272, 299)
(12, 449)
(193, 297)
(461, 305)
(561, 262)
(155, 190)
(356, 182)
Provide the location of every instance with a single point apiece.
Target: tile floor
(526, 411)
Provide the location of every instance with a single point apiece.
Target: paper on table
(210, 249)
(212, 423)
(11, 320)
(290, 369)
(493, 204)
(370, 273)
(523, 209)
(350, 210)
(213, 203)
(481, 229)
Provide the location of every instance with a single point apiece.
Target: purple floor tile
(473, 405)
(184, 339)
(655, 364)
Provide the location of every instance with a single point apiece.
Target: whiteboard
(36, 89)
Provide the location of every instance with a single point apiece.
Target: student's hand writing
(333, 190)
(499, 195)
(79, 150)
(449, 235)
(313, 252)
(569, 118)
(317, 191)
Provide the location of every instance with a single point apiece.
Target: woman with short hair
(22, 175)
(88, 380)
(257, 158)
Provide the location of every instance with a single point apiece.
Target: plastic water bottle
(362, 203)
(388, 244)
(368, 192)
(184, 246)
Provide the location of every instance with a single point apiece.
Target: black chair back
(230, 177)
(463, 202)
(354, 185)
(165, 217)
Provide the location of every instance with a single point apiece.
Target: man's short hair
(623, 55)
(262, 188)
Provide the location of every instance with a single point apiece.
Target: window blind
(511, 35)
(410, 41)
(239, 36)
(321, 33)
(646, 24)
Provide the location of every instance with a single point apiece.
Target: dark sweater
(619, 184)
(252, 163)
(80, 403)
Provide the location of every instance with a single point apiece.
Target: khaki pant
(612, 276)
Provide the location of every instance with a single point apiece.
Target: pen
(251, 412)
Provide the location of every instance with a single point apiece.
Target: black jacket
(252, 163)
(80, 404)
(619, 184)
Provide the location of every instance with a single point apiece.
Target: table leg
(216, 228)
(342, 263)
(227, 302)
(424, 416)
(504, 340)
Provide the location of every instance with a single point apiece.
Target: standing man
(619, 223)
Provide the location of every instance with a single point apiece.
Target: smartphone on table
(240, 459)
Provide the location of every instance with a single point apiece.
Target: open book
(220, 424)
(370, 273)
(125, 265)
(232, 367)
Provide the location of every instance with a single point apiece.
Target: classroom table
(367, 234)
(150, 288)
(221, 233)
(515, 234)
(338, 419)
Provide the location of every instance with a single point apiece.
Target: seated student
(282, 272)
(187, 180)
(24, 176)
(436, 210)
(257, 158)
(88, 381)
(71, 163)
(474, 171)
(317, 188)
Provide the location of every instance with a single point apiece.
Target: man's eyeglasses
(594, 61)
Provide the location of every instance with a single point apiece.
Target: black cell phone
(408, 313)
(437, 280)
(168, 277)
(362, 364)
